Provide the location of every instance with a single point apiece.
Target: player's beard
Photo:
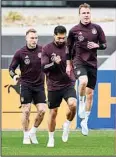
(32, 46)
(60, 44)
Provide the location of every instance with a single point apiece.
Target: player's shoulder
(95, 25)
(39, 47)
(74, 27)
(19, 51)
(48, 46)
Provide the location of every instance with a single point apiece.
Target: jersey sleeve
(102, 39)
(46, 63)
(14, 64)
(70, 43)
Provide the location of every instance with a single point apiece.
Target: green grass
(97, 143)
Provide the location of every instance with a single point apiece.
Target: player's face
(60, 39)
(32, 39)
(85, 15)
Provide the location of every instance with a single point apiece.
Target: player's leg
(70, 97)
(39, 100)
(81, 74)
(92, 75)
(89, 100)
(51, 126)
(82, 88)
(25, 122)
(26, 99)
(54, 100)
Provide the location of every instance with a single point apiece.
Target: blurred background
(55, 3)
(19, 16)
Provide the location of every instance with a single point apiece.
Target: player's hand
(68, 70)
(92, 45)
(16, 78)
(57, 59)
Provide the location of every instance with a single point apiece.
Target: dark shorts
(33, 95)
(90, 72)
(55, 97)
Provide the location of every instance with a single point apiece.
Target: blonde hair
(31, 30)
(85, 5)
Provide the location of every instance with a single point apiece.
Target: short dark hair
(31, 30)
(85, 5)
(60, 29)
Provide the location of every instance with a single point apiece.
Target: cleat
(50, 142)
(33, 138)
(81, 111)
(65, 133)
(84, 127)
(26, 140)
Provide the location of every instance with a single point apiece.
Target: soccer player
(59, 84)
(84, 40)
(28, 58)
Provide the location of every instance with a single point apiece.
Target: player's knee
(83, 80)
(41, 109)
(72, 104)
(83, 83)
(53, 113)
(26, 111)
(41, 112)
(89, 95)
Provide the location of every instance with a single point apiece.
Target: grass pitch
(102, 143)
